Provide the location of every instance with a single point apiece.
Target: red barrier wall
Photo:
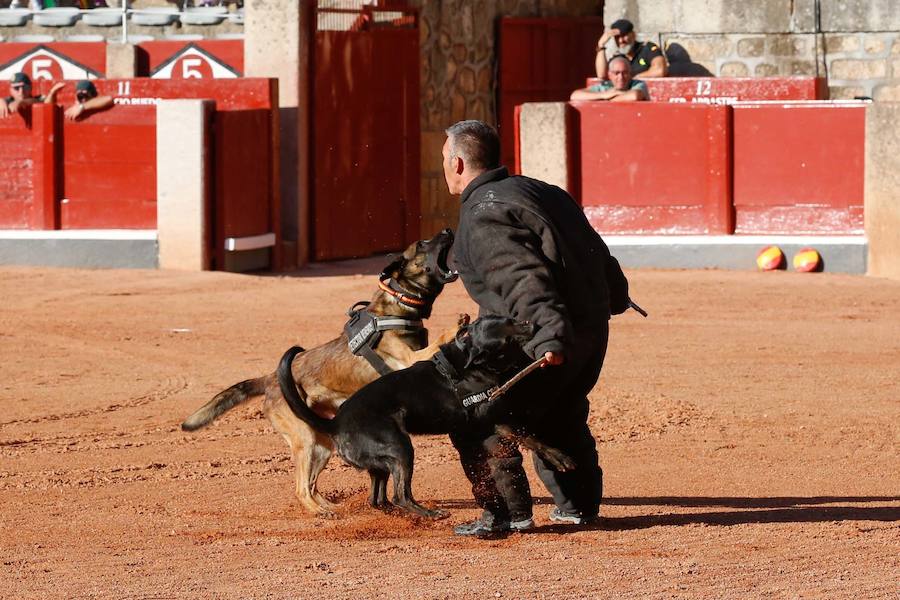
(100, 172)
(29, 184)
(726, 90)
(230, 94)
(654, 167)
(246, 199)
(109, 170)
(799, 168)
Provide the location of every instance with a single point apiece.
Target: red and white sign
(43, 62)
(193, 62)
(728, 90)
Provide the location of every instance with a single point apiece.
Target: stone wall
(854, 44)
(457, 79)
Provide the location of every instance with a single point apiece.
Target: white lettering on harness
(362, 336)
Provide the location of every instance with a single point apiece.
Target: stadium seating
(143, 18)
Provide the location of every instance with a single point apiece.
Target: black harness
(464, 390)
(364, 331)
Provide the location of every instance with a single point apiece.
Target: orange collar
(403, 298)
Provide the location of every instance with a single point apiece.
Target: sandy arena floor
(748, 431)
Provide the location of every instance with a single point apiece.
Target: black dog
(371, 429)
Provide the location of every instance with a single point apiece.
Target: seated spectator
(620, 87)
(646, 58)
(19, 95)
(87, 99)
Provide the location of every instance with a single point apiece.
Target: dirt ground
(748, 431)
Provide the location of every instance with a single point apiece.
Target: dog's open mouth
(446, 273)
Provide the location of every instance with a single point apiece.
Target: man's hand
(56, 87)
(553, 358)
(4, 109)
(604, 39)
(74, 111)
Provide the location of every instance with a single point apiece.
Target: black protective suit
(525, 249)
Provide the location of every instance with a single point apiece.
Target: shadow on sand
(786, 509)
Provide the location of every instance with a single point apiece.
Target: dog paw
(438, 514)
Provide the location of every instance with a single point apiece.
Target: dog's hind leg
(301, 440)
(378, 493)
(318, 458)
(402, 472)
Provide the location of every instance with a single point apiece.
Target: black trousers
(552, 405)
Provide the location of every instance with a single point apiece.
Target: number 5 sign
(44, 63)
(193, 62)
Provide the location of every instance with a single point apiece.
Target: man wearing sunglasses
(87, 99)
(19, 95)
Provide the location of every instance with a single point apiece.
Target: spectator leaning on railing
(19, 95)
(646, 58)
(87, 99)
(620, 87)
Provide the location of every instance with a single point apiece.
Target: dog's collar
(445, 367)
(393, 289)
(461, 388)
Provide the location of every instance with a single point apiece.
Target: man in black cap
(87, 99)
(19, 95)
(646, 58)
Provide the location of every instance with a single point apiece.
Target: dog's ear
(411, 251)
(393, 267)
(463, 338)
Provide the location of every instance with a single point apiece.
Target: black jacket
(525, 249)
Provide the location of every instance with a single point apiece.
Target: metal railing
(126, 11)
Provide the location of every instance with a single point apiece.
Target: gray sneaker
(482, 528)
(521, 524)
(570, 518)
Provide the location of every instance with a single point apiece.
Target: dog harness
(467, 396)
(364, 331)
(468, 399)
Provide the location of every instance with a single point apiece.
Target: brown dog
(331, 373)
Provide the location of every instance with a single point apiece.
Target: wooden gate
(365, 130)
(541, 60)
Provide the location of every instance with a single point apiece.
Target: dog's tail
(225, 401)
(296, 396)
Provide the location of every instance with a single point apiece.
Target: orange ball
(770, 258)
(807, 260)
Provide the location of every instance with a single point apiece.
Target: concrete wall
(855, 44)
(544, 142)
(882, 207)
(458, 39)
(276, 44)
(182, 183)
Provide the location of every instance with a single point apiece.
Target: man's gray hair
(476, 142)
(619, 57)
